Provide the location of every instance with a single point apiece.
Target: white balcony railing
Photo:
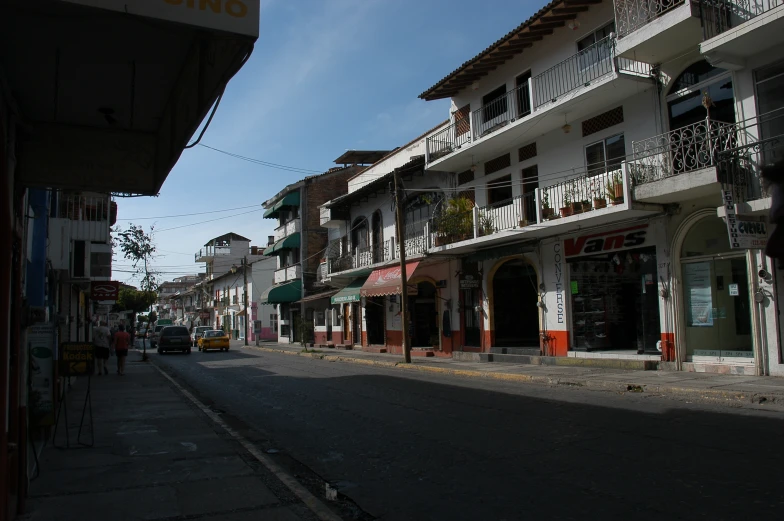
(538, 94)
(209, 252)
(290, 228)
(91, 216)
(287, 274)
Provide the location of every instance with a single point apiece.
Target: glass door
(718, 311)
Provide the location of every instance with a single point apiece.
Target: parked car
(174, 338)
(214, 339)
(152, 336)
(198, 331)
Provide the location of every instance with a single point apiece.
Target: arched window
(419, 209)
(359, 234)
(684, 102)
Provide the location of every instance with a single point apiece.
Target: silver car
(198, 332)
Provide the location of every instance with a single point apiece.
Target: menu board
(697, 283)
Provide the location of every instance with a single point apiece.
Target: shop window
(706, 237)
(615, 302)
(320, 317)
(606, 155)
(499, 191)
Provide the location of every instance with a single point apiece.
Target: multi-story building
(300, 242)
(221, 253)
(578, 188)
(174, 295)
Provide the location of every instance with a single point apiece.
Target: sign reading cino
(108, 290)
(234, 16)
(606, 242)
(77, 359)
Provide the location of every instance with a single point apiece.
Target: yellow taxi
(214, 339)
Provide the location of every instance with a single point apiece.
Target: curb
(711, 395)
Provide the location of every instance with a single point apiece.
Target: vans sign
(606, 242)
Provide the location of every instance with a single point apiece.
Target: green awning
(350, 293)
(499, 251)
(283, 293)
(286, 243)
(290, 199)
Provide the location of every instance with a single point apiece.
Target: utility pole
(401, 243)
(245, 294)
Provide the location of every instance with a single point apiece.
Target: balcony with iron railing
(89, 217)
(688, 162)
(364, 257)
(290, 228)
(656, 30)
(287, 273)
(516, 112)
(743, 26)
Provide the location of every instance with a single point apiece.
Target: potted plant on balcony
(547, 211)
(599, 202)
(486, 225)
(567, 209)
(455, 222)
(586, 205)
(615, 189)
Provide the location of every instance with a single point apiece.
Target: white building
(591, 145)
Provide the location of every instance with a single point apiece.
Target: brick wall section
(318, 191)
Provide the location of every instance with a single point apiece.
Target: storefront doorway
(374, 320)
(515, 296)
(424, 316)
(716, 297)
(356, 324)
(615, 302)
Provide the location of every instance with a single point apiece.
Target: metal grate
(527, 152)
(462, 121)
(468, 194)
(499, 163)
(465, 177)
(603, 121)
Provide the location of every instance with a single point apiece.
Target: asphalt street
(402, 445)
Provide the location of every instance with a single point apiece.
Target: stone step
(568, 361)
(530, 351)
(510, 359)
(375, 349)
(422, 352)
(346, 347)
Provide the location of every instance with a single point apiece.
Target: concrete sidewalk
(156, 456)
(721, 388)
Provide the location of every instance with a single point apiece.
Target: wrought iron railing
(363, 257)
(630, 15)
(594, 189)
(448, 140)
(342, 263)
(682, 150)
(417, 243)
(719, 16)
(503, 110)
(577, 71)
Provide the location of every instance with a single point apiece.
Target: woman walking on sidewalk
(120, 343)
(102, 339)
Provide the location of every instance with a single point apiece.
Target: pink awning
(386, 281)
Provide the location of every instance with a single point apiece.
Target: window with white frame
(605, 155)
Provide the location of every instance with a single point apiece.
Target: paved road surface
(407, 446)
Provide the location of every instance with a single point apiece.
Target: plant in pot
(615, 189)
(486, 225)
(598, 201)
(586, 205)
(547, 211)
(567, 209)
(455, 222)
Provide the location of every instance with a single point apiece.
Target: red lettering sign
(606, 241)
(108, 290)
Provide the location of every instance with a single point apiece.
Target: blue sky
(325, 76)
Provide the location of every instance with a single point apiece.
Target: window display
(615, 304)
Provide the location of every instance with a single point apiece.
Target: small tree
(138, 247)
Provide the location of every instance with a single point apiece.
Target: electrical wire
(263, 163)
(207, 221)
(189, 214)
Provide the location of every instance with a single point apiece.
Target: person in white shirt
(102, 339)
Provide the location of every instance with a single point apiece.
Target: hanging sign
(745, 233)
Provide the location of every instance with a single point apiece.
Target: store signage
(204, 314)
(559, 296)
(40, 340)
(606, 242)
(164, 322)
(77, 359)
(108, 290)
(744, 233)
(234, 16)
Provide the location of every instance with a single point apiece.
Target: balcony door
(685, 99)
(769, 83)
(377, 237)
(495, 107)
(523, 98)
(530, 184)
(595, 51)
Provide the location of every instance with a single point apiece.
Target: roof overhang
(109, 92)
(543, 23)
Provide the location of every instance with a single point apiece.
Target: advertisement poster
(699, 305)
(40, 343)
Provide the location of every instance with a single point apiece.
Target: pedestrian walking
(102, 339)
(120, 343)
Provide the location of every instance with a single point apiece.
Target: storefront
(613, 291)
(346, 323)
(716, 311)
